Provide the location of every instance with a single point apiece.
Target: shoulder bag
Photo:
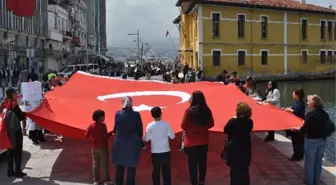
(227, 145)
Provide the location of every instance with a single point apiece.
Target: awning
(103, 57)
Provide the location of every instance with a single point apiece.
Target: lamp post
(138, 42)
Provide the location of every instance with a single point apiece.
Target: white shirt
(273, 97)
(158, 132)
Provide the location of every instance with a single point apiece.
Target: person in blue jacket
(128, 143)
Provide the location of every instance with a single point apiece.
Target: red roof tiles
(276, 4)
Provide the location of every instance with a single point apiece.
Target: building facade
(91, 30)
(257, 39)
(59, 36)
(102, 25)
(78, 12)
(29, 34)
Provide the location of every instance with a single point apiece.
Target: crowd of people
(309, 141)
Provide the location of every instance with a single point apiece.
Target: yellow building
(256, 37)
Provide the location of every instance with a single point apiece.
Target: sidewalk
(69, 163)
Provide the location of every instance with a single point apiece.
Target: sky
(152, 17)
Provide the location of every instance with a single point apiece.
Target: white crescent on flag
(183, 95)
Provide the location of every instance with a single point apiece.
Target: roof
(285, 5)
(177, 19)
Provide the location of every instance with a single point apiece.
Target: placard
(31, 91)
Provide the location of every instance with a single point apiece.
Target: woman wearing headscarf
(196, 124)
(128, 143)
(272, 97)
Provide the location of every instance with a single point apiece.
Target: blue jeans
(314, 151)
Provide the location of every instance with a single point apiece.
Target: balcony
(55, 35)
(53, 2)
(76, 41)
(67, 35)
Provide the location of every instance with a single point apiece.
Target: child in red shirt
(97, 131)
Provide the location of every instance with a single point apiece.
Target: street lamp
(138, 41)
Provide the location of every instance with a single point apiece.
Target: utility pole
(138, 42)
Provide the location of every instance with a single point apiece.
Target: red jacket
(195, 135)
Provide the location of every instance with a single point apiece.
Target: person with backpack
(317, 127)
(13, 118)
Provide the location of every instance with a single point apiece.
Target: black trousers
(119, 176)
(270, 134)
(298, 144)
(239, 175)
(161, 160)
(36, 136)
(197, 161)
(14, 155)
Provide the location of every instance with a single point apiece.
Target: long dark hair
(199, 109)
(274, 86)
(299, 93)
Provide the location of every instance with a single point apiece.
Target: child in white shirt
(159, 132)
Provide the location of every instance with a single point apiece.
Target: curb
(284, 146)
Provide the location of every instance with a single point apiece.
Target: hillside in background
(164, 47)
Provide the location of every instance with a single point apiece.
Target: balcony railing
(75, 41)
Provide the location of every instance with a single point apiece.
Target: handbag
(224, 152)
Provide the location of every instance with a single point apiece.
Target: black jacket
(240, 149)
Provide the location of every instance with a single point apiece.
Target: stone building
(102, 25)
(59, 36)
(29, 34)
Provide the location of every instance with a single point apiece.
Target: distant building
(102, 24)
(257, 37)
(29, 34)
(91, 30)
(78, 12)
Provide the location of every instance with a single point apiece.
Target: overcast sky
(152, 17)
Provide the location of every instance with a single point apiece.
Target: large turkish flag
(67, 110)
(23, 8)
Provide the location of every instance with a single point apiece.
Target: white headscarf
(126, 102)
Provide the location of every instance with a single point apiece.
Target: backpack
(329, 128)
(12, 121)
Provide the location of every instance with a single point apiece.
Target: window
(322, 29)
(330, 57)
(304, 25)
(334, 30)
(215, 24)
(241, 58)
(216, 55)
(264, 22)
(241, 25)
(322, 57)
(264, 57)
(304, 55)
(330, 25)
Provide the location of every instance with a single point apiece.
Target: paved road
(69, 163)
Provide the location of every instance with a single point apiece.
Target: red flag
(23, 8)
(167, 33)
(4, 139)
(61, 107)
